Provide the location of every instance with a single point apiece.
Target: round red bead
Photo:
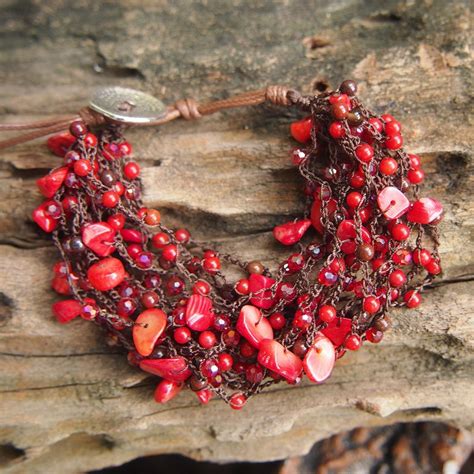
(364, 153)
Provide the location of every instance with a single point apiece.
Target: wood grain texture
(70, 403)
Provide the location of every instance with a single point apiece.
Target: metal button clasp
(126, 105)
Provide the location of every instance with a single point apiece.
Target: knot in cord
(188, 109)
(92, 118)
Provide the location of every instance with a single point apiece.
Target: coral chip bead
(392, 202)
(277, 358)
(319, 360)
(175, 369)
(253, 326)
(167, 390)
(364, 153)
(291, 232)
(301, 130)
(66, 310)
(148, 328)
(131, 170)
(425, 211)
(199, 314)
(50, 184)
(106, 274)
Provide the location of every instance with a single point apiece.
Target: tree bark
(68, 402)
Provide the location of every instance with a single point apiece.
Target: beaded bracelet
(366, 242)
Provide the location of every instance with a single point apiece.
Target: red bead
(388, 166)
(422, 257)
(393, 128)
(66, 310)
(254, 373)
(353, 342)
(387, 118)
(210, 368)
(327, 313)
(82, 167)
(167, 390)
(132, 235)
(319, 360)
(182, 235)
(50, 184)
(277, 358)
(110, 199)
(327, 277)
(174, 285)
(175, 369)
(237, 401)
(201, 287)
(242, 287)
(131, 170)
(336, 130)
(211, 265)
(415, 161)
(400, 232)
(99, 237)
(182, 335)
(339, 110)
(373, 335)
(394, 142)
(301, 130)
(199, 312)
(392, 202)
(125, 149)
(371, 304)
(170, 252)
(353, 199)
(397, 278)
(225, 362)
(116, 221)
(90, 140)
(291, 232)
(260, 286)
(364, 153)
(252, 325)
(415, 176)
(402, 257)
(134, 250)
(160, 240)
(207, 339)
(277, 321)
(106, 274)
(150, 299)
(357, 180)
(119, 188)
(302, 319)
(204, 396)
(148, 328)
(425, 211)
(246, 350)
(316, 213)
(144, 260)
(126, 307)
(412, 299)
(376, 124)
(433, 267)
(60, 143)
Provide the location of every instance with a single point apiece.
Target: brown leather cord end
(92, 118)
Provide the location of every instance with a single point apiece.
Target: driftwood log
(68, 402)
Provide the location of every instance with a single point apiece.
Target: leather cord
(187, 109)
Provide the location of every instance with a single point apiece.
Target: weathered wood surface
(70, 403)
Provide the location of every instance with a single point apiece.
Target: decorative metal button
(127, 105)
